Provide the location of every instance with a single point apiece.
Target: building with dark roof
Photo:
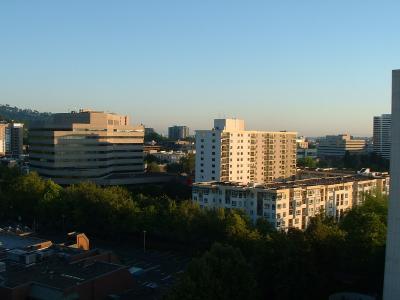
(32, 268)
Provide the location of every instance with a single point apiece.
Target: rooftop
(12, 240)
(55, 272)
(295, 183)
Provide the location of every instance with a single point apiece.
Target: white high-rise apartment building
(228, 152)
(383, 135)
(11, 139)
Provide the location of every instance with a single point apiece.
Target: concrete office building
(87, 146)
(305, 152)
(382, 135)
(338, 145)
(391, 289)
(148, 130)
(11, 139)
(228, 152)
(178, 132)
(292, 203)
(14, 139)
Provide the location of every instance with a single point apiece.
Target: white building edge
(392, 265)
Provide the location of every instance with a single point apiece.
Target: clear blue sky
(317, 67)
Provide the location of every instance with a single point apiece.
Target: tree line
(236, 259)
(348, 161)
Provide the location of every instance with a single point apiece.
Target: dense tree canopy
(220, 274)
(248, 259)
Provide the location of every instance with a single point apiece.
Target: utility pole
(144, 240)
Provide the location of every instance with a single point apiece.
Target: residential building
(151, 149)
(391, 290)
(228, 152)
(11, 139)
(88, 146)
(3, 127)
(291, 204)
(301, 143)
(338, 145)
(178, 132)
(169, 157)
(383, 135)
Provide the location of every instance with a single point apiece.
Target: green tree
(188, 163)
(153, 167)
(308, 162)
(175, 168)
(221, 273)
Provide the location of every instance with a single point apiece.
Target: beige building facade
(3, 127)
(87, 146)
(290, 204)
(338, 145)
(11, 139)
(229, 153)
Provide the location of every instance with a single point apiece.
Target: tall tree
(221, 273)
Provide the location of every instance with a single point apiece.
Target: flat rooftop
(294, 183)
(12, 240)
(55, 272)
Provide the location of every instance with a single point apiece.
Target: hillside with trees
(26, 116)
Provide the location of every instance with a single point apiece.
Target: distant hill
(26, 116)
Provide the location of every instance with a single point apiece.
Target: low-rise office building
(306, 152)
(87, 146)
(338, 145)
(32, 268)
(291, 204)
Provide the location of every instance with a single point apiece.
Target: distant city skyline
(313, 67)
(164, 130)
